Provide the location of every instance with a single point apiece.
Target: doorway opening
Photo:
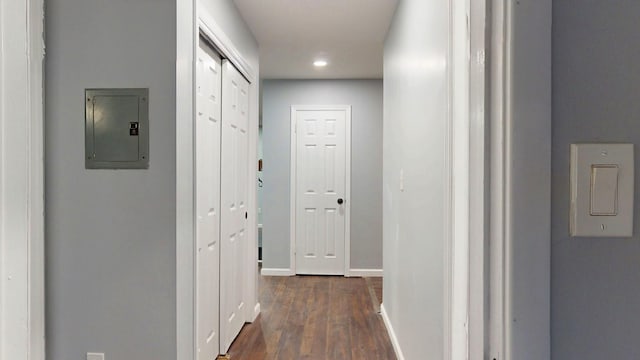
(219, 141)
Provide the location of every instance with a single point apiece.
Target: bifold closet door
(234, 194)
(207, 199)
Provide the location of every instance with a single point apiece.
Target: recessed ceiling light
(320, 63)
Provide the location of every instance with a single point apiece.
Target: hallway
(316, 317)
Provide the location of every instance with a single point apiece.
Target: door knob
(340, 201)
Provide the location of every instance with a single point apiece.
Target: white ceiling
(349, 34)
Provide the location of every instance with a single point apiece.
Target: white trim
(497, 210)
(448, 209)
(185, 182)
(292, 170)
(223, 44)
(252, 285)
(22, 300)
(3, 318)
(256, 311)
(465, 311)
(391, 332)
(478, 184)
(292, 191)
(365, 273)
(36, 211)
(457, 163)
(348, 198)
(276, 272)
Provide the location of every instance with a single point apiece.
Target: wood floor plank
(338, 340)
(315, 318)
(314, 334)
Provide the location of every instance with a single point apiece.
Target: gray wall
(596, 82)
(110, 234)
(415, 127)
(365, 97)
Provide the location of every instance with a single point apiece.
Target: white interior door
(321, 204)
(208, 131)
(235, 146)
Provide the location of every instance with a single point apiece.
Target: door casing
(22, 279)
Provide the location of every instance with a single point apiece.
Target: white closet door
(208, 131)
(320, 191)
(235, 146)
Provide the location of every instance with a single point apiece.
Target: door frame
(22, 279)
(497, 285)
(192, 21)
(479, 156)
(461, 174)
(293, 187)
(473, 185)
(211, 32)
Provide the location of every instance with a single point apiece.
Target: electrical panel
(117, 129)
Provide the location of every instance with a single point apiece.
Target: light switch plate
(95, 356)
(602, 189)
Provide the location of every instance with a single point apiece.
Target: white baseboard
(365, 273)
(276, 272)
(352, 272)
(256, 311)
(392, 334)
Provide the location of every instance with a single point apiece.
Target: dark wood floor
(374, 284)
(316, 317)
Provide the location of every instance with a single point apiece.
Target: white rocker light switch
(602, 189)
